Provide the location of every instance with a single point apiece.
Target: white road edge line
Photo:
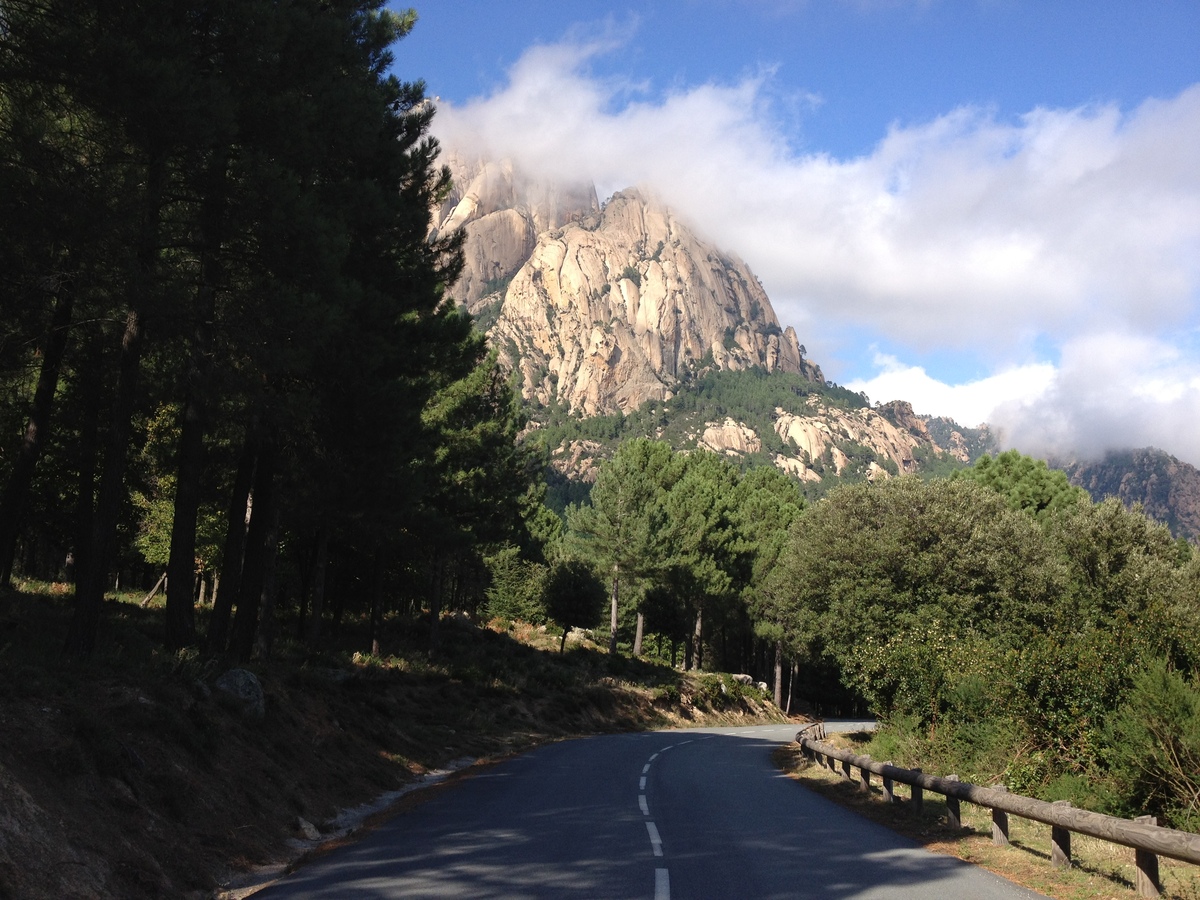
(653, 757)
(645, 768)
(642, 783)
(655, 840)
(662, 884)
(642, 803)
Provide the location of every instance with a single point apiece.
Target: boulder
(246, 690)
(307, 829)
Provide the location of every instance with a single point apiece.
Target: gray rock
(742, 679)
(244, 687)
(308, 829)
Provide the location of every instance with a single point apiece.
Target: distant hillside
(1167, 488)
(820, 433)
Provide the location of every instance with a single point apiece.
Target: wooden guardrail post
(1142, 835)
(864, 778)
(999, 822)
(1060, 842)
(846, 769)
(953, 809)
(1148, 883)
(889, 791)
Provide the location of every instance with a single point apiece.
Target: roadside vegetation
(1099, 869)
(1008, 629)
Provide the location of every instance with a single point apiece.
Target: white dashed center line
(655, 840)
(662, 878)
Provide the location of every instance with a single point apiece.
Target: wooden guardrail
(1147, 839)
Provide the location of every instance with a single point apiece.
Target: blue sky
(988, 207)
(870, 63)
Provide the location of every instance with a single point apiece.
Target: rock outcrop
(823, 429)
(617, 309)
(603, 308)
(502, 211)
(730, 438)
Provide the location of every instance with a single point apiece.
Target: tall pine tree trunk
(235, 544)
(254, 566)
(317, 587)
(637, 636)
(268, 627)
(376, 600)
(791, 686)
(81, 633)
(612, 639)
(435, 606)
(15, 499)
(698, 640)
(779, 673)
(88, 391)
(181, 568)
(179, 616)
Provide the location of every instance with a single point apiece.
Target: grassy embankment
(129, 776)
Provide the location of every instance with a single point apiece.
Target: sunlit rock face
(821, 431)
(502, 212)
(730, 438)
(602, 308)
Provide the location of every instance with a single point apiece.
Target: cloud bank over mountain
(1060, 250)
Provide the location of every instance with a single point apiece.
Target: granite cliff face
(601, 309)
(503, 212)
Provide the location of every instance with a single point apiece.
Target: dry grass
(1100, 870)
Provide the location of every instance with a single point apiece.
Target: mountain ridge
(615, 308)
(619, 309)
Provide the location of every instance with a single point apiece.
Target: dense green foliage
(1004, 634)
(1026, 483)
(685, 543)
(224, 352)
(574, 596)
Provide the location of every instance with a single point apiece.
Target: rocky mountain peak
(601, 309)
(502, 210)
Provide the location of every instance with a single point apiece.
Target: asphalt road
(668, 815)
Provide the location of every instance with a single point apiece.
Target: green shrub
(1154, 747)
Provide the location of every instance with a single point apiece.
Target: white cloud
(965, 232)
(968, 404)
(1111, 391)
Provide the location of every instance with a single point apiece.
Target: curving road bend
(666, 815)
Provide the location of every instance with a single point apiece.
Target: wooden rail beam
(1139, 835)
